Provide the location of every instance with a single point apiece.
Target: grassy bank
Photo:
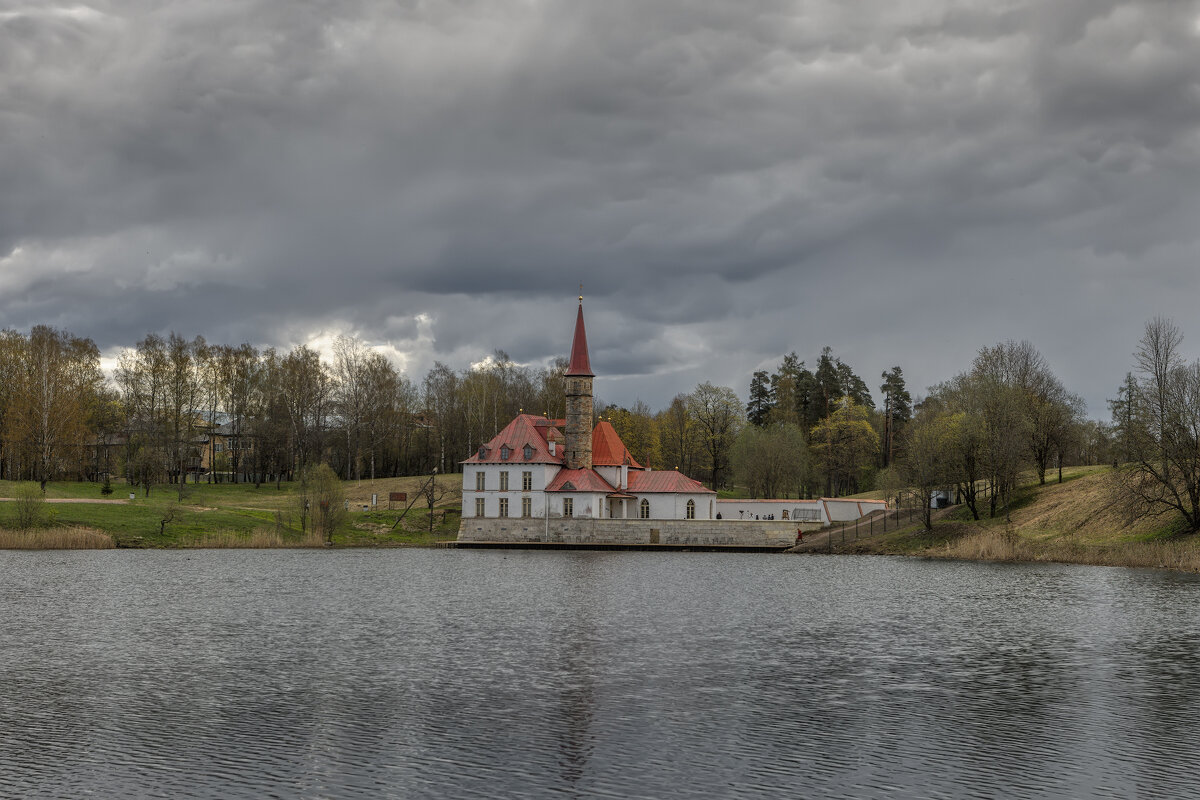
(55, 539)
(1072, 522)
(224, 515)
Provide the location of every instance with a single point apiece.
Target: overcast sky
(903, 180)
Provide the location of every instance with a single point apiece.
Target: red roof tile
(580, 365)
(607, 448)
(649, 481)
(525, 429)
(579, 480)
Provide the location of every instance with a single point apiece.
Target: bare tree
(1162, 428)
(718, 415)
(440, 390)
(57, 389)
(305, 388)
(926, 464)
(183, 403)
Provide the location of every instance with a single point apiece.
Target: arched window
(644, 509)
(691, 509)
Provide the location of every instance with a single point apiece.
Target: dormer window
(504, 452)
(483, 451)
(528, 452)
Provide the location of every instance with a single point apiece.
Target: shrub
(31, 504)
(322, 502)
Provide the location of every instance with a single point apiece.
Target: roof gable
(607, 448)
(524, 431)
(579, 480)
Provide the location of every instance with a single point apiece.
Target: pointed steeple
(578, 454)
(580, 366)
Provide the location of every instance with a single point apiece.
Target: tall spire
(578, 454)
(580, 365)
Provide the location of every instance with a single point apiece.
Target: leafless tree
(1162, 428)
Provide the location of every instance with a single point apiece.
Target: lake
(460, 673)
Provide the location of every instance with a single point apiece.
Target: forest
(179, 409)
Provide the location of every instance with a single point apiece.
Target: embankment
(1077, 521)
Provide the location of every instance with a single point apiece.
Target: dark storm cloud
(730, 182)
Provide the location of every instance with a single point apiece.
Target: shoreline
(1000, 546)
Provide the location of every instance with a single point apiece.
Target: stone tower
(579, 377)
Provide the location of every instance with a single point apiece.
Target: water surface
(435, 673)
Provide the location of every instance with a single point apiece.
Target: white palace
(555, 468)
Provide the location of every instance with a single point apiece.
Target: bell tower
(579, 377)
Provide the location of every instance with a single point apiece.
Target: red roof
(525, 429)
(580, 366)
(579, 480)
(607, 448)
(649, 481)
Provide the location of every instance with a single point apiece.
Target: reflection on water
(524, 674)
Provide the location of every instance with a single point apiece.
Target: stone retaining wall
(679, 532)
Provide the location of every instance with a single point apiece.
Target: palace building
(560, 468)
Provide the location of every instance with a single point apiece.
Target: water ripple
(487, 674)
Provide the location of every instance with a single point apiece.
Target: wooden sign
(398, 497)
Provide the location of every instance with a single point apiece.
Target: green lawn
(238, 511)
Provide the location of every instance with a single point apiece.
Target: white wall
(831, 510)
(542, 475)
(850, 510)
(763, 508)
(664, 505)
(588, 505)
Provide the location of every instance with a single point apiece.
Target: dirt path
(68, 500)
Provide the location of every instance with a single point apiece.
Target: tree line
(818, 431)
(802, 431)
(264, 415)
(1009, 414)
(978, 432)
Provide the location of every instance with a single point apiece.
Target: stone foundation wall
(680, 532)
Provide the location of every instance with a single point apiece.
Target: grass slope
(1076, 521)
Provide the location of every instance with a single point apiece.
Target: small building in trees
(542, 468)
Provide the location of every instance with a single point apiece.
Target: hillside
(1076, 521)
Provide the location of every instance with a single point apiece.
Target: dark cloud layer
(906, 182)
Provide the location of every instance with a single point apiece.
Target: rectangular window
(526, 481)
(568, 507)
(479, 506)
(504, 481)
(526, 507)
(504, 506)
(479, 481)
(220, 448)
